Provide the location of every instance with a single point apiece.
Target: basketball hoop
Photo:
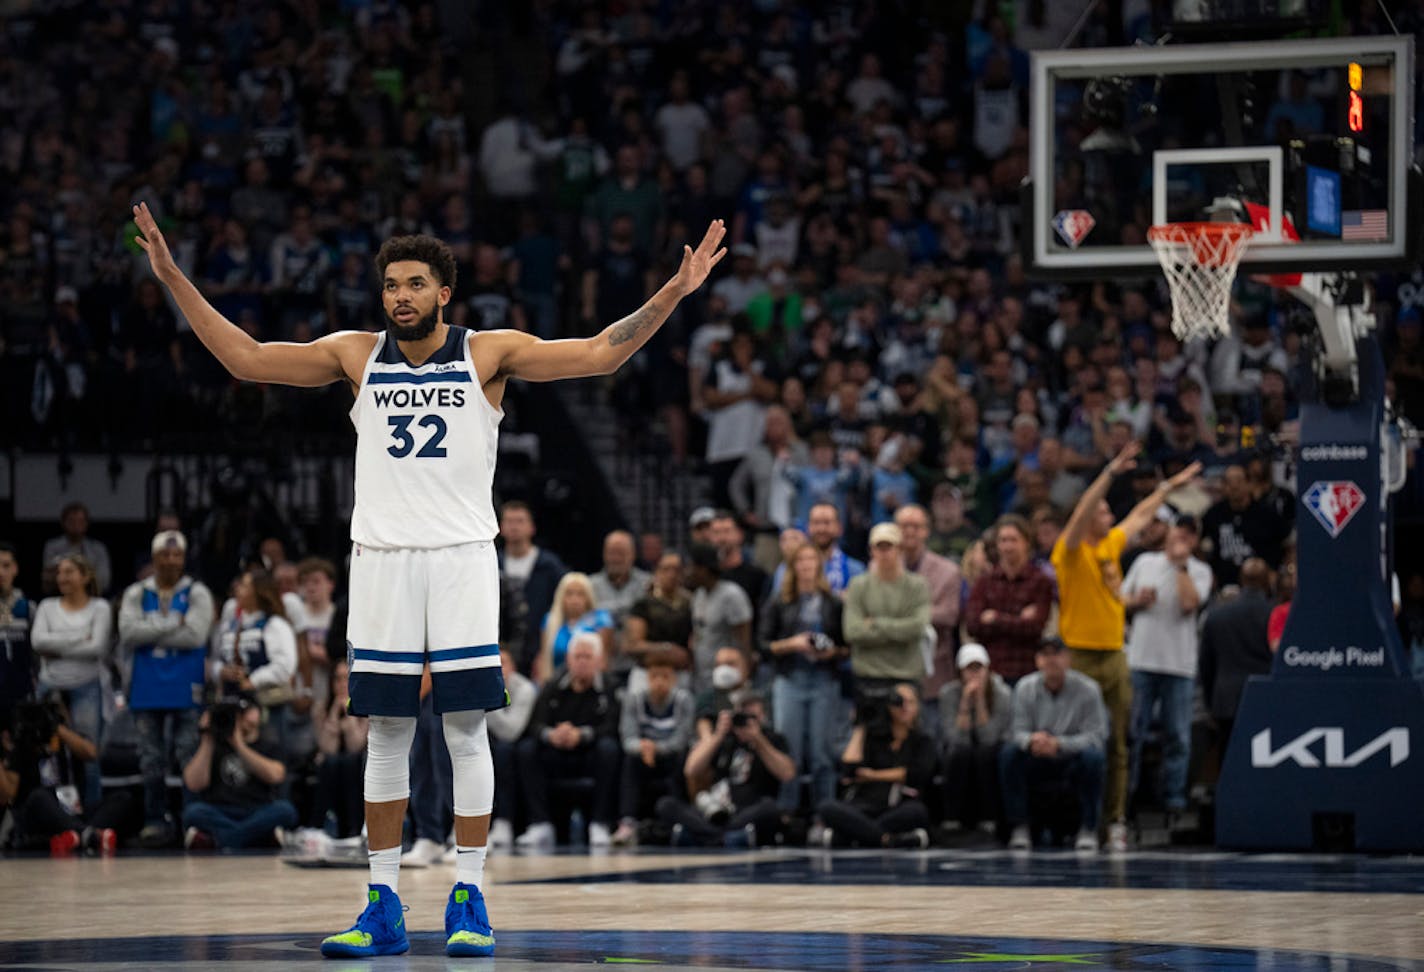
(1200, 260)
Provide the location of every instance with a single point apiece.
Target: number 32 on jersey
(431, 448)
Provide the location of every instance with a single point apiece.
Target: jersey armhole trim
(354, 411)
(470, 333)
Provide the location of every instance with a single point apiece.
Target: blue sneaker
(467, 927)
(379, 931)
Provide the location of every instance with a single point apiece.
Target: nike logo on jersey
(419, 397)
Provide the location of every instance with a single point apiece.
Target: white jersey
(426, 442)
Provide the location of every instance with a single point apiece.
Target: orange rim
(1212, 244)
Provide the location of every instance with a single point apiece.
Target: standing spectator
(1238, 527)
(950, 534)
(823, 529)
(887, 610)
(761, 490)
(1087, 559)
(890, 763)
(728, 538)
(721, 614)
(625, 191)
(1163, 591)
(71, 638)
(301, 266)
(573, 733)
(511, 149)
(621, 583)
(975, 712)
(575, 611)
(736, 393)
(1234, 647)
(234, 777)
(661, 619)
(337, 803)
(257, 653)
(683, 125)
(74, 520)
(17, 677)
(165, 621)
(944, 581)
(656, 729)
(1009, 606)
(821, 479)
(1059, 731)
(490, 295)
(534, 570)
(746, 766)
(506, 728)
(316, 582)
(800, 634)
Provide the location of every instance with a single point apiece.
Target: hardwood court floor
(1284, 911)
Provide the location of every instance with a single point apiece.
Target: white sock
(469, 865)
(385, 867)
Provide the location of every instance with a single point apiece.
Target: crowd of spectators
(941, 490)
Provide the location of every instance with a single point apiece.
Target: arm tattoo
(631, 326)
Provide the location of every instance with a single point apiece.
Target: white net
(1200, 260)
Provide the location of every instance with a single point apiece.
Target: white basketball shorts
(410, 608)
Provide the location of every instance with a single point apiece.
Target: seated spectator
(800, 635)
(656, 729)
(887, 612)
(731, 673)
(42, 778)
(506, 728)
(889, 764)
(17, 676)
(819, 478)
(950, 534)
(660, 620)
(1059, 736)
(165, 622)
(721, 614)
(573, 734)
(1009, 605)
(761, 488)
(257, 653)
(71, 639)
(337, 804)
(746, 765)
(975, 713)
(74, 520)
(234, 776)
(574, 611)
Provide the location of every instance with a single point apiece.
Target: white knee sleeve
(468, 740)
(388, 758)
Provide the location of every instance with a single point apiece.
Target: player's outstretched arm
(308, 365)
(527, 357)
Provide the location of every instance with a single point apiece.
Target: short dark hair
(704, 555)
(316, 565)
(515, 506)
(71, 506)
(423, 249)
(1185, 521)
(6, 547)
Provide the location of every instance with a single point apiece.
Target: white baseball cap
(971, 653)
(169, 538)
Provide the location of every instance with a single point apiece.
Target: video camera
(873, 709)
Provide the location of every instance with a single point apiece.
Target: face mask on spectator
(726, 677)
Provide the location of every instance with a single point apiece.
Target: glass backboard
(1311, 140)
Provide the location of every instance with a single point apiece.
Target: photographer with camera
(747, 765)
(233, 777)
(41, 782)
(889, 763)
(164, 621)
(801, 636)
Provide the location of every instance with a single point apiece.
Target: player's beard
(419, 331)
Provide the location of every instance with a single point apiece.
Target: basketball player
(424, 579)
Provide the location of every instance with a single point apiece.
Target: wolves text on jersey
(419, 397)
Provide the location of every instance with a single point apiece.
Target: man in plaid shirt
(1009, 606)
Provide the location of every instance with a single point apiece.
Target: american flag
(1363, 225)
